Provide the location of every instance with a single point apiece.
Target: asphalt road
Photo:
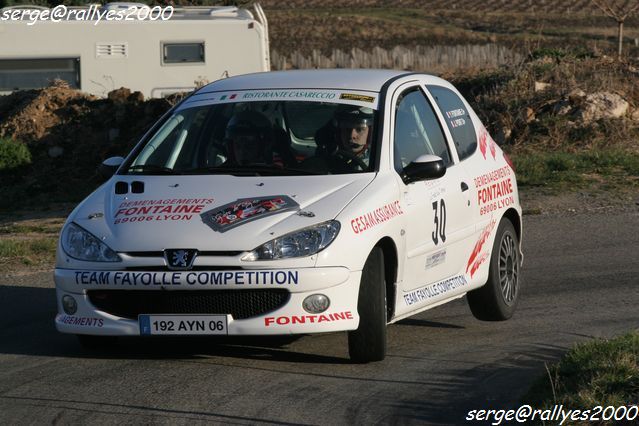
(580, 281)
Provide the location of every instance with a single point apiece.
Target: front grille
(200, 253)
(241, 304)
(194, 268)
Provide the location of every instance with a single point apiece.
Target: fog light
(69, 304)
(316, 303)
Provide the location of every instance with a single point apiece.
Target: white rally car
(296, 202)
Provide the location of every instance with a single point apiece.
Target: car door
(438, 215)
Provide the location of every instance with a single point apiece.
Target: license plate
(183, 324)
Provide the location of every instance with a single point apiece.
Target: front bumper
(339, 284)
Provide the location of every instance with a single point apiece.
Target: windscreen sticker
(356, 97)
(455, 117)
(434, 290)
(495, 190)
(477, 257)
(244, 210)
(173, 209)
(367, 99)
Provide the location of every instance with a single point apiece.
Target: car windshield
(262, 138)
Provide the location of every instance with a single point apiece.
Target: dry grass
(29, 243)
(365, 25)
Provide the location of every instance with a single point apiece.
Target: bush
(13, 154)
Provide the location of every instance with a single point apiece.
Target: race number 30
(439, 233)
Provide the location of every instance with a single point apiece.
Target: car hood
(212, 213)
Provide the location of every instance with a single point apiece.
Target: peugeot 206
(296, 202)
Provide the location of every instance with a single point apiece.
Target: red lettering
(299, 320)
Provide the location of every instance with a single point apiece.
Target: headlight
(81, 245)
(304, 242)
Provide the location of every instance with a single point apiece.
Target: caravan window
(179, 53)
(17, 74)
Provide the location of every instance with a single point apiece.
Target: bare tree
(619, 11)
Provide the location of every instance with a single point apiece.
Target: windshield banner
(365, 99)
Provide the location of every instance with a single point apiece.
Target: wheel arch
(513, 216)
(389, 249)
(515, 219)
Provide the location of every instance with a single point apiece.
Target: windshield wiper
(152, 169)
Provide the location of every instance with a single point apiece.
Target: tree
(619, 11)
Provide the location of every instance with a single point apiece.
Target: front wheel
(497, 299)
(368, 342)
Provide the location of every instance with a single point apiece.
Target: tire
(368, 342)
(498, 298)
(96, 342)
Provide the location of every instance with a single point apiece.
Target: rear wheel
(497, 300)
(368, 342)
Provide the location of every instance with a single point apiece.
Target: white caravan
(156, 57)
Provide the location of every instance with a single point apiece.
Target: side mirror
(110, 166)
(425, 167)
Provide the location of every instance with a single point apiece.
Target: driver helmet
(249, 136)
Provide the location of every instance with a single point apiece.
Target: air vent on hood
(121, 187)
(137, 187)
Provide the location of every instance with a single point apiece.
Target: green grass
(25, 229)
(27, 251)
(601, 372)
(561, 170)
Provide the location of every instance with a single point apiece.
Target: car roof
(352, 79)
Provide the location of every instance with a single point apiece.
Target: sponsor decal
(356, 97)
(455, 117)
(244, 210)
(295, 94)
(486, 143)
(307, 319)
(221, 278)
(476, 256)
(174, 209)
(81, 321)
(494, 190)
(312, 95)
(435, 259)
(373, 218)
(437, 193)
(434, 290)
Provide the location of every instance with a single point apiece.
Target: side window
(457, 119)
(417, 130)
(180, 53)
